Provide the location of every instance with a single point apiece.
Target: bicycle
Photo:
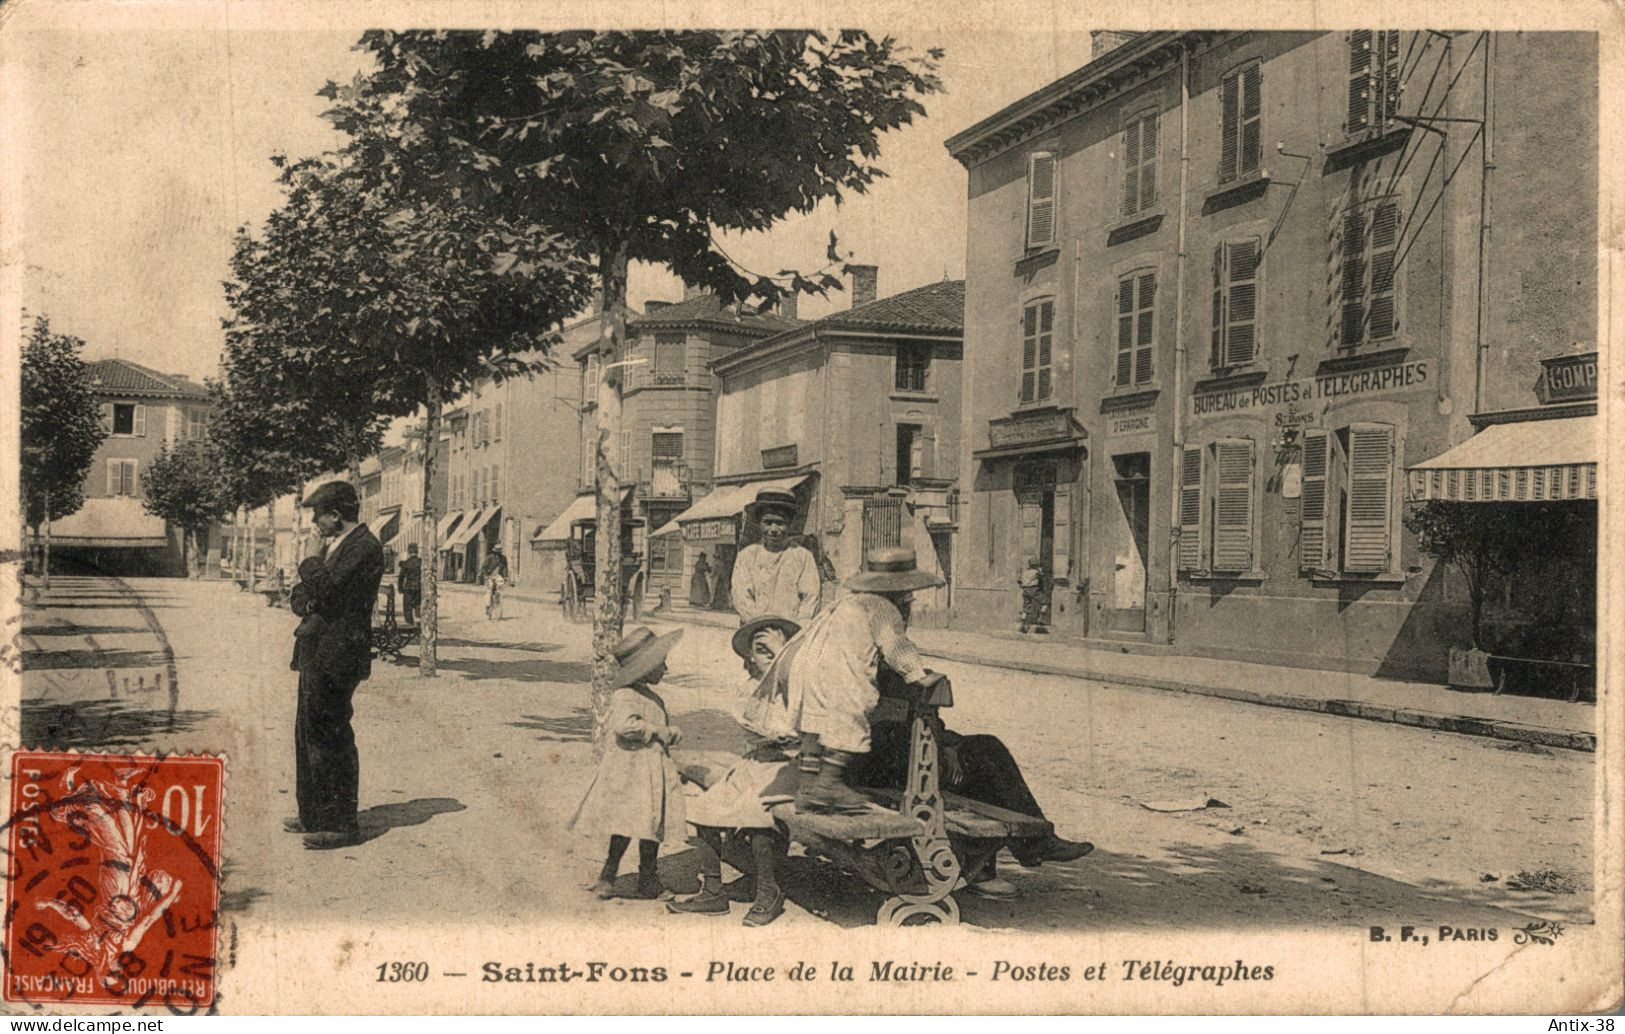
(493, 599)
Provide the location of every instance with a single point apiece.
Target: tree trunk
(428, 610)
(45, 555)
(186, 554)
(607, 615)
(253, 552)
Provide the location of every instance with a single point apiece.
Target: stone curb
(1466, 725)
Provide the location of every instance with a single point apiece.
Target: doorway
(1035, 500)
(1130, 537)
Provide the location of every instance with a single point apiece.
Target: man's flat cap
(332, 494)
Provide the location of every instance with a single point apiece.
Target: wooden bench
(915, 842)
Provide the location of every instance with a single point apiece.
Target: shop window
(1216, 507)
(1140, 162)
(1241, 141)
(913, 364)
(1136, 328)
(1235, 303)
(1365, 246)
(1037, 350)
(1041, 184)
(1347, 502)
(121, 477)
(1374, 80)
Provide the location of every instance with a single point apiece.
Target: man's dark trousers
(410, 599)
(333, 654)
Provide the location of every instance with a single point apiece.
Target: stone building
(1223, 289)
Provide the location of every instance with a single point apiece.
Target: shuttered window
(1241, 142)
(913, 365)
(1235, 303)
(1037, 350)
(1041, 184)
(1233, 505)
(667, 446)
(1190, 509)
(1364, 254)
(1374, 80)
(1370, 450)
(496, 434)
(1312, 498)
(670, 357)
(121, 477)
(1140, 163)
(1136, 326)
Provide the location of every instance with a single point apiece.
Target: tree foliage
(189, 486)
(60, 424)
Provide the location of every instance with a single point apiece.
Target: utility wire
(1446, 186)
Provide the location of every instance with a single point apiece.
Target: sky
(136, 152)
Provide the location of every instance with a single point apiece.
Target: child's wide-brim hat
(639, 653)
(775, 500)
(891, 569)
(746, 633)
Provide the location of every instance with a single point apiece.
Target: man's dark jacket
(335, 597)
(410, 575)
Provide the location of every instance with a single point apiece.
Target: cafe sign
(1330, 387)
(710, 530)
(1045, 425)
(1568, 378)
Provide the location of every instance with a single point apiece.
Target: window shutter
(1360, 91)
(1371, 459)
(1351, 322)
(1125, 332)
(1031, 520)
(140, 421)
(1062, 565)
(1029, 353)
(1147, 309)
(1040, 199)
(1312, 500)
(1046, 339)
(1233, 509)
(1230, 99)
(107, 416)
(113, 475)
(1241, 305)
(1215, 357)
(499, 422)
(1381, 321)
(1131, 167)
(1388, 57)
(1252, 119)
(1190, 509)
(1148, 161)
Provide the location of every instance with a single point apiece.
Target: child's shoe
(710, 901)
(765, 911)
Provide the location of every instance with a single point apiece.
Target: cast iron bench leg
(922, 800)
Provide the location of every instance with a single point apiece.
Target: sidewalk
(1520, 719)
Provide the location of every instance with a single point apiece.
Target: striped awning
(1533, 461)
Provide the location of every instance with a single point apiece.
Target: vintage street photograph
(645, 504)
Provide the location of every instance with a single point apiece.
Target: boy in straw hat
(836, 671)
(636, 793)
(776, 576)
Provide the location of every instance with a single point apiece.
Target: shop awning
(119, 522)
(583, 507)
(471, 527)
(384, 526)
(1533, 461)
(447, 522)
(725, 501)
(1005, 452)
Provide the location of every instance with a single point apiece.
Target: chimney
(1102, 41)
(787, 305)
(690, 291)
(865, 280)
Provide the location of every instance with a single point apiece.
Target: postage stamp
(112, 868)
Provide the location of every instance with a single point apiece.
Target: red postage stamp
(112, 875)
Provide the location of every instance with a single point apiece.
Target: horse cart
(577, 593)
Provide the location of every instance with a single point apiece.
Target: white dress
(636, 791)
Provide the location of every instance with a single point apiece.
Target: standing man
(775, 577)
(332, 653)
(409, 578)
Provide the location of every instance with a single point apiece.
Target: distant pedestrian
(409, 579)
(775, 576)
(699, 587)
(1032, 598)
(332, 653)
(636, 793)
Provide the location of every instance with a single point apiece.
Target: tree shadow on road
(576, 727)
(53, 660)
(49, 630)
(528, 647)
(381, 818)
(537, 670)
(100, 723)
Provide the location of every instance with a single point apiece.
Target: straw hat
(745, 634)
(891, 569)
(776, 500)
(639, 653)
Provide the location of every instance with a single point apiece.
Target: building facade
(858, 413)
(144, 412)
(1223, 289)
